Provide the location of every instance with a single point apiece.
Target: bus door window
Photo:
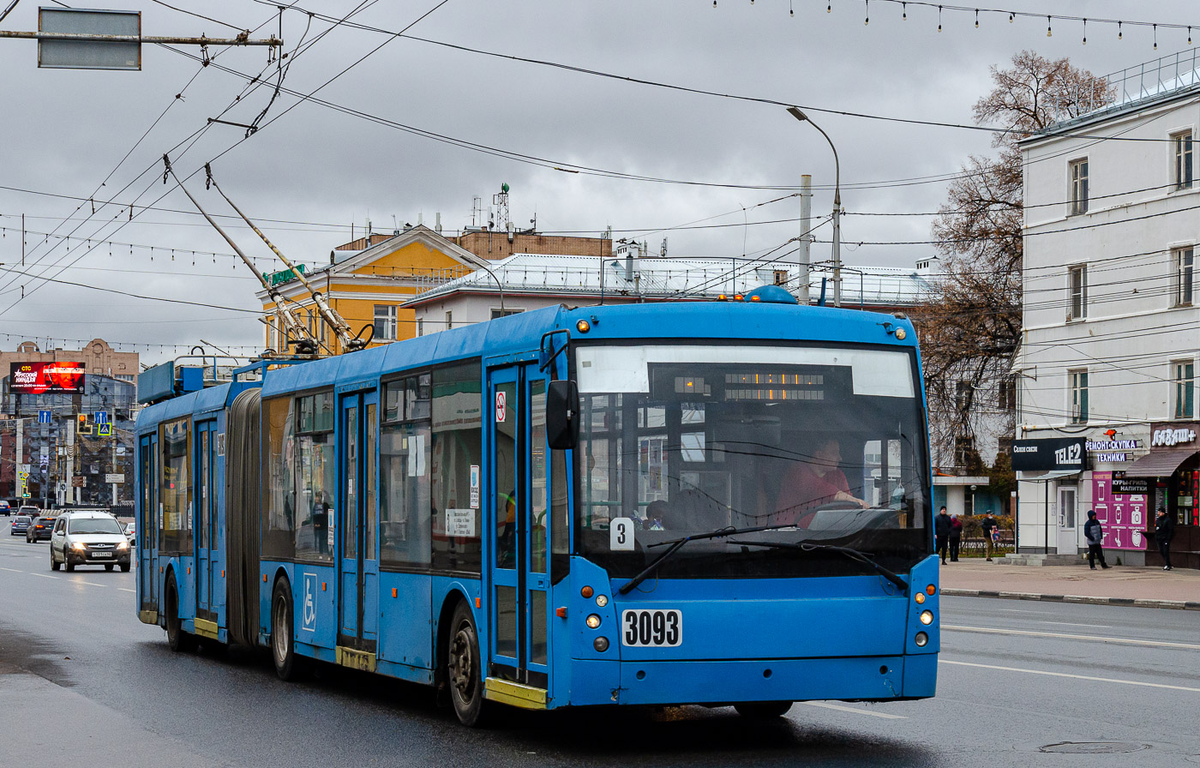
(505, 467)
(538, 508)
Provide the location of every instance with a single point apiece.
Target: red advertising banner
(46, 378)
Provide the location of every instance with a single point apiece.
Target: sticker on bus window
(652, 628)
(474, 486)
(460, 522)
(620, 534)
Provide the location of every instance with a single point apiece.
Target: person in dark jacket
(941, 530)
(988, 525)
(1094, 533)
(1164, 531)
(955, 537)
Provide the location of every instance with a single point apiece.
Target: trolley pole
(805, 236)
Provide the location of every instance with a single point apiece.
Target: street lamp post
(837, 207)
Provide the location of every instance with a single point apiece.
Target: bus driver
(813, 483)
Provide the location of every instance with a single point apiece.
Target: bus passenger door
(146, 529)
(519, 487)
(205, 509)
(358, 561)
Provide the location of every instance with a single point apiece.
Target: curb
(1177, 605)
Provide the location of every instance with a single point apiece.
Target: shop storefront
(1169, 476)
(1050, 511)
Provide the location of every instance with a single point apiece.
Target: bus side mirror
(562, 415)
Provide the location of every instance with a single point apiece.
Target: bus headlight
(601, 600)
(921, 639)
(600, 644)
(920, 598)
(926, 617)
(593, 621)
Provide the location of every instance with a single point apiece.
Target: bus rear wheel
(763, 710)
(462, 668)
(288, 665)
(178, 640)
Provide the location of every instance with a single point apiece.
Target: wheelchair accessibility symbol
(308, 612)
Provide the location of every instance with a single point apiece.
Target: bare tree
(972, 323)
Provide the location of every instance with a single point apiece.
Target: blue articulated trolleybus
(691, 503)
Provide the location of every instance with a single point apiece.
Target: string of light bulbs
(1012, 16)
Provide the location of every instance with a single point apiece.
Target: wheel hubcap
(280, 630)
(462, 663)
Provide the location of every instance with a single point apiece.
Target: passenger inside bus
(808, 485)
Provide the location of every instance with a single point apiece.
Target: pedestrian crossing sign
(104, 430)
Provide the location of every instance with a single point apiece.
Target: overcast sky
(64, 132)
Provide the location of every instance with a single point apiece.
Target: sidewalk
(1119, 585)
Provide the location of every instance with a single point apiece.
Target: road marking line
(1073, 677)
(126, 589)
(91, 584)
(1065, 636)
(43, 575)
(852, 710)
(13, 570)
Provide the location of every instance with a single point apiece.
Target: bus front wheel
(178, 640)
(763, 710)
(462, 668)
(288, 665)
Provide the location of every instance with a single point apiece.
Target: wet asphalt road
(1015, 678)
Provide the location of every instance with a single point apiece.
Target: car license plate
(101, 554)
(641, 628)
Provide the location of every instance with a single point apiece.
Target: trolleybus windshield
(822, 445)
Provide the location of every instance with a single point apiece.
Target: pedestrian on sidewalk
(1094, 533)
(941, 531)
(955, 537)
(988, 525)
(1164, 531)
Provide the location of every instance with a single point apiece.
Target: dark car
(39, 529)
(5, 508)
(20, 525)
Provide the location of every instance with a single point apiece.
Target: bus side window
(457, 448)
(404, 452)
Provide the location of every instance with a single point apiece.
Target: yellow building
(367, 286)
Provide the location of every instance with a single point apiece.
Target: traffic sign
(101, 417)
(118, 477)
(104, 430)
(43, 417)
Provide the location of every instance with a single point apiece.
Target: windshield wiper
(677, 544)
(853, 554)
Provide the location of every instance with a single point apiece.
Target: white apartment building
(1106, 411)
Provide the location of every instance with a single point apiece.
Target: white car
(88, 538)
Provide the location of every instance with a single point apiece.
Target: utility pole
(69, 485)
(805, 235)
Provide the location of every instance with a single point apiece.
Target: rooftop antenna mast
(341, 329)
(295, 330)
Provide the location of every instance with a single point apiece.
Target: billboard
(46, 378)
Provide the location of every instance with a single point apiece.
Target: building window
(1007, 395)
(1183, 375)
(385, 322)
(497, 312)
(449, 320)
(781, 277)
(1182, 144)
(1079, 186)
(1078, 281)
(1079, 396)
(964, 451)
(1182, 261)
(964, 396)
(420, 326)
